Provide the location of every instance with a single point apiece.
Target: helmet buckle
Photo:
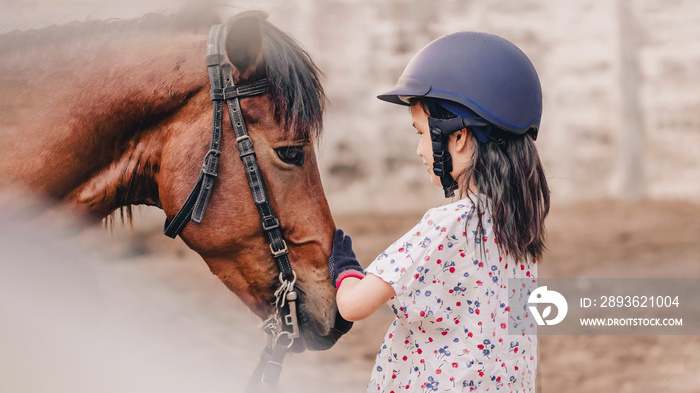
(438, 169)
(435, 134)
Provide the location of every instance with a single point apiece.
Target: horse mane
(190, 18)
(297, 93)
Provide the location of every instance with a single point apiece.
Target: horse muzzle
(313, 337)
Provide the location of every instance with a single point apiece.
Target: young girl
(476, 102)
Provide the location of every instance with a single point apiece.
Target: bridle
(282, 326)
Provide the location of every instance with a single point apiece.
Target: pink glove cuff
(348, 273)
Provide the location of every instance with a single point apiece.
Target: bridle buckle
(279, 252)
(270, 223)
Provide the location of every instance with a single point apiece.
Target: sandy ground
(201, 337)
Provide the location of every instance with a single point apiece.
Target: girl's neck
(464, 190)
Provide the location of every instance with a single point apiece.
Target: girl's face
(459, 145)
(425, 147)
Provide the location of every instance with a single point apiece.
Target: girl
(476, 102)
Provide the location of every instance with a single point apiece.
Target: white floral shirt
(450, 333)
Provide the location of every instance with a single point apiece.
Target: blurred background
(620, 142)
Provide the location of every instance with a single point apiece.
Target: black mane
(297, 94)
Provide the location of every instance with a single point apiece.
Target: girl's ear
(460, 140)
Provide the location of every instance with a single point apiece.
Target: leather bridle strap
(282, 326)
(196, 202)
(270, 223)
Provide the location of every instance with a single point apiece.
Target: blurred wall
(621, 101)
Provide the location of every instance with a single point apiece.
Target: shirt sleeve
(397, 264)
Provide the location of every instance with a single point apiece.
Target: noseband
(282, 326)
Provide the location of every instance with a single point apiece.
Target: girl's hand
(357, 299)
(343, 262)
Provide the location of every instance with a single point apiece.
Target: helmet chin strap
(442, 159)
(440, 131)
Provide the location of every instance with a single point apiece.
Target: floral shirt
(450, 333)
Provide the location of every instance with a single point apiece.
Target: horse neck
(89, 119)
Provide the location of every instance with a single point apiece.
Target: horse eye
(291, 155)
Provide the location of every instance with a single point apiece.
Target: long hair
(513, 181)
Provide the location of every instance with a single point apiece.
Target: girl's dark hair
(511, 177)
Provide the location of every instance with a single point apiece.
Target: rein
(282, 326)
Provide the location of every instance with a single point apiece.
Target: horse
(105, 115)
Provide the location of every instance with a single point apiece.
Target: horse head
(283, 125)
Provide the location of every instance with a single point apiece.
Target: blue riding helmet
(487, 82)
(482, 72)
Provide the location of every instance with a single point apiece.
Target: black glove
(343, 259)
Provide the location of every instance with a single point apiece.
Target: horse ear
(244, 44)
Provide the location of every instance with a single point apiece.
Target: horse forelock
(297, 92)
